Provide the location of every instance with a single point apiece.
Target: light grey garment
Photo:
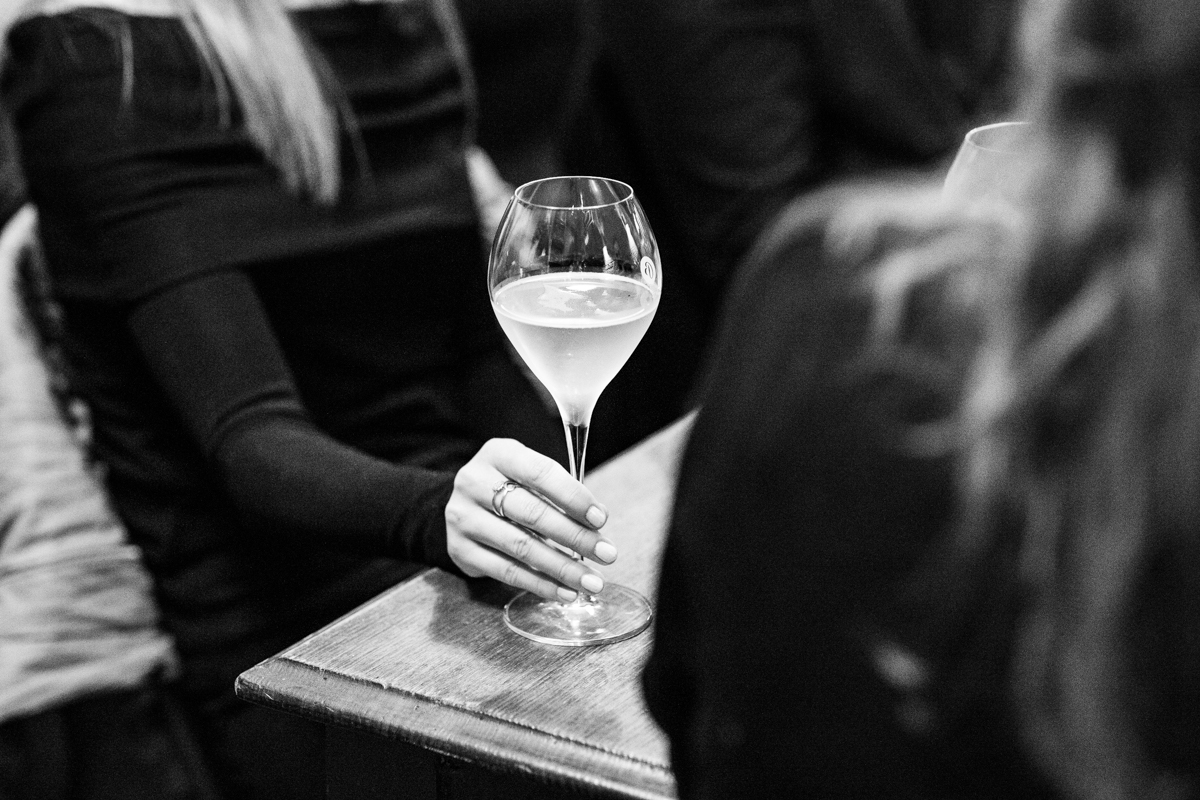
(77, 615)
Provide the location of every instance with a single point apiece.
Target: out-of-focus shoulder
(845, 211)
(791, 248)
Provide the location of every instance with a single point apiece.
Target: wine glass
(575, 279)
(988, 168)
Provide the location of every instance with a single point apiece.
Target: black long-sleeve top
(281, 392)
(796, 521)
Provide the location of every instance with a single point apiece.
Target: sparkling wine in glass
(575, 279)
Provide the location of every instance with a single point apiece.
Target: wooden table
(423, 691)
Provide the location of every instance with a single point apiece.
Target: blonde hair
(290, 110)
(256, 55)
(1079, 408)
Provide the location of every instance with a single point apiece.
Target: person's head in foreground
(936, 530)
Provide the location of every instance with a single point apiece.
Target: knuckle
(520, 547)
(578, 496)
(486, 454)
(535, 512)
(545, 588)
(543, 471)
(462, 479)
(454, 515)
(497, 446)
(577, 539)
(566, 573)
(459, 552)
(513, 576)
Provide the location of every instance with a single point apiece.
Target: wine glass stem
(577, 435)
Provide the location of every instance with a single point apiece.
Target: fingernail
(593, 583)
(596, 516)
(605, 551)
(567, 594)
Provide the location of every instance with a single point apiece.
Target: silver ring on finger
(499, 493)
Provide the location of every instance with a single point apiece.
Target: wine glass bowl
(988, 168)
(575, 279)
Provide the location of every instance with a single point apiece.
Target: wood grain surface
(431, 662)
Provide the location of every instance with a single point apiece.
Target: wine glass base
(616, 613)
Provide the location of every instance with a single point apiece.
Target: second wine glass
(575, 279)
(989, 168)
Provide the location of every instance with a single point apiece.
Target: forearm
(213, 351)
(285, 475)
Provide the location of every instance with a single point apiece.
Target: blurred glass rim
(1000, 137)
(622, 192)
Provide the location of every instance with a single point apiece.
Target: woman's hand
(482, 542)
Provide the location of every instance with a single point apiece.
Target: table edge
(449, 730)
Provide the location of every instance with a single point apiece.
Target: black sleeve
(209, 345)
(791, 521)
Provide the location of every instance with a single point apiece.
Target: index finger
(546, 476)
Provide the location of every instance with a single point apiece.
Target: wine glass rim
(973, 135)
(628, 191)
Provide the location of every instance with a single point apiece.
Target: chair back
(77, 614)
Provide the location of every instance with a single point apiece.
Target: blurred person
(935, 530)
(719, 112)
(260, 224)
(531, 60)
(86, 705)
(724, 110)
